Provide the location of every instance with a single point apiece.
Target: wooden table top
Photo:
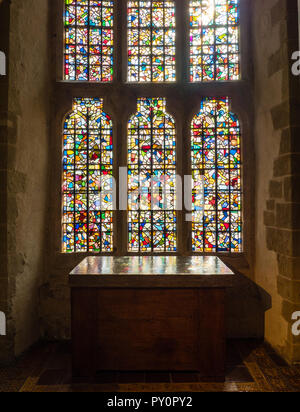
(152, 272)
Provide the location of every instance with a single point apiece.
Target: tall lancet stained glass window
(151, 41)
(88, 40)
(216, 158)
(214, 40)
(152, 178)
(87, 178)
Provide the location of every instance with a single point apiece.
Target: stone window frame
(183, 103)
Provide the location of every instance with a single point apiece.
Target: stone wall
(246, 302)
(30, 100)
(24, 133)
(277, 115)
(7, 145)
(34, 290)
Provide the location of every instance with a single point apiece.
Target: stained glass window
(87, 178)
(214, 40)
(216, 158)
(89, 40)
(152, 178)
(151, 41)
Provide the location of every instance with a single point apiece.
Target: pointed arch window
(152, 178)
(216, 158)
(87, 179)
(100, 37)
(151, 41)
(89, 42)
(214, 40)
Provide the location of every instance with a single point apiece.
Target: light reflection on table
(152, 265)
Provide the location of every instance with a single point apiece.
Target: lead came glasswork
(214, 40)
(216, 155)
(87, 183)
(151, 41)
(152, 178)
(88, 40)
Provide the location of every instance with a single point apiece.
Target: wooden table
(149, 314)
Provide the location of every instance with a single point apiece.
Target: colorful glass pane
(214, 40)
(88, 40)
(151, 41)
(216, 158)
(87, 178)
(152, 178)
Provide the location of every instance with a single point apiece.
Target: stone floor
(251, 366)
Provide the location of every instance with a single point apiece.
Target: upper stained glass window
(87, 178)
(151, 41)
(214, 40)
(216, 158)
(88, 40)
(152, 178)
